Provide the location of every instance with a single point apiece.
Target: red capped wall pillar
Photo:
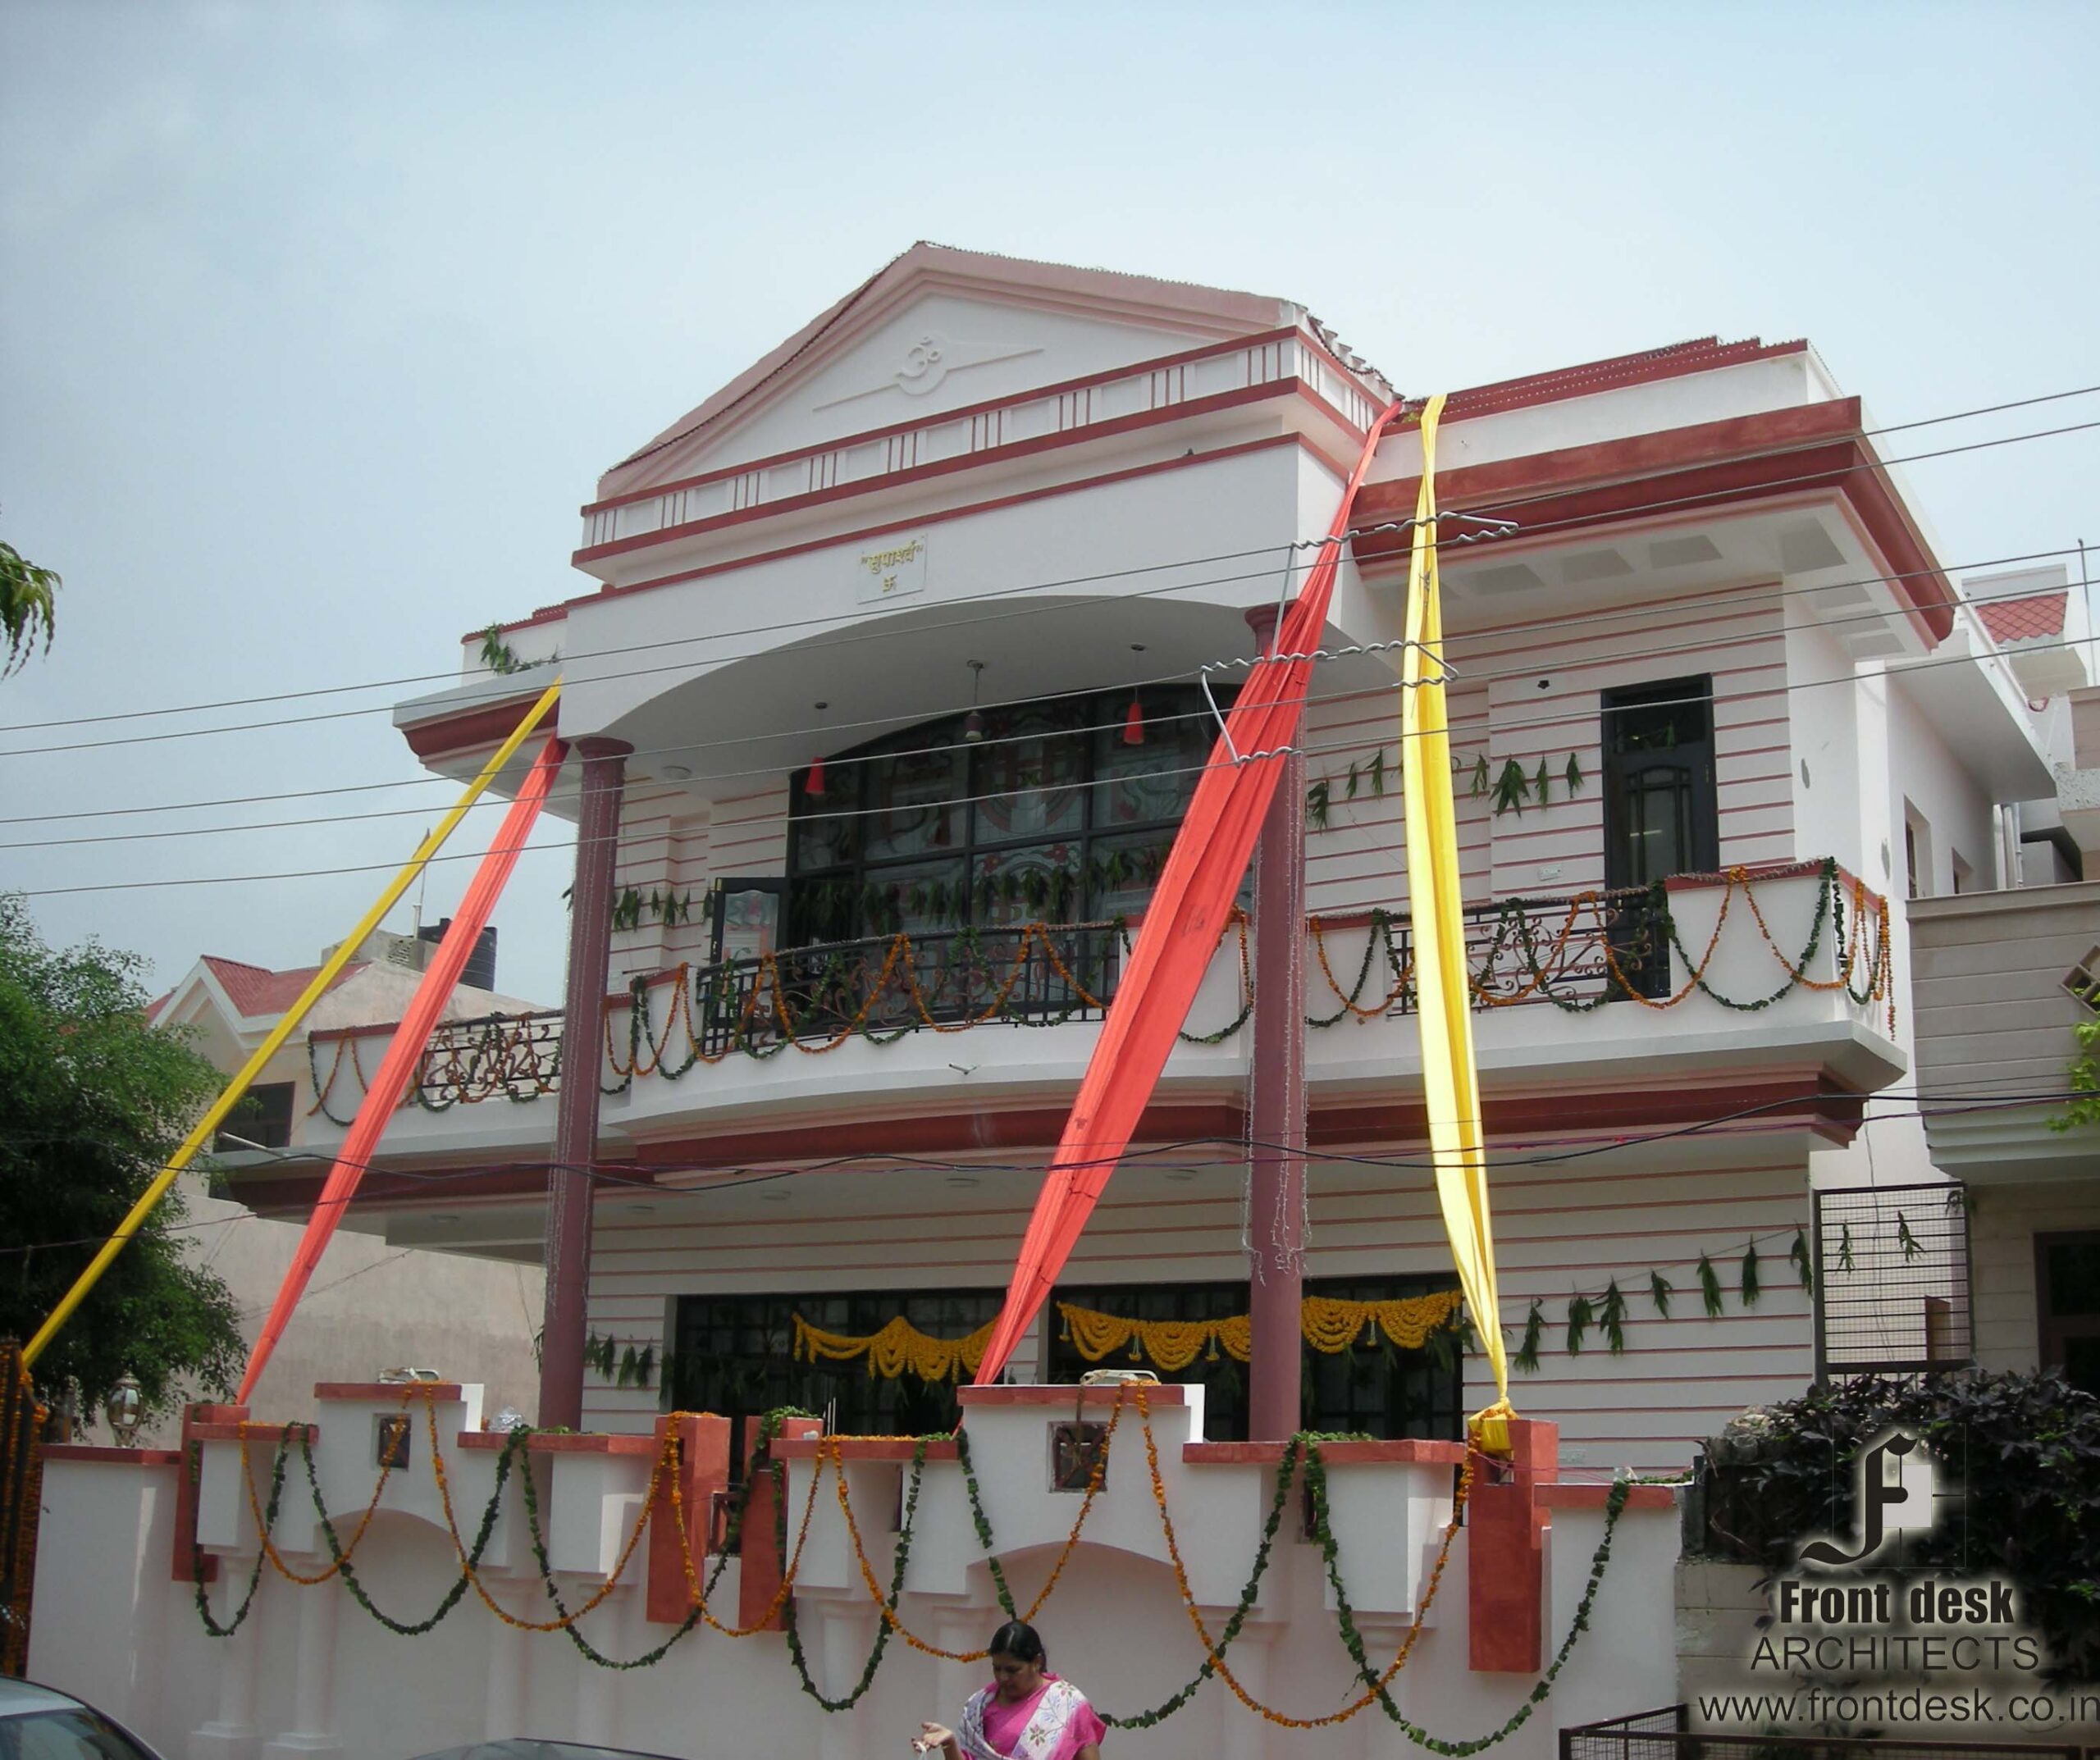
(1275, 1172)
(763, 1550)
(182, 1565)
(702, 1470)
(570, 1185)
(1505, 1553)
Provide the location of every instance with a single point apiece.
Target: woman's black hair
(1018, 1640)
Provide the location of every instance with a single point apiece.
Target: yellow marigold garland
(898, 1348)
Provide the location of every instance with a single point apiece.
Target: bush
(2026, 1447)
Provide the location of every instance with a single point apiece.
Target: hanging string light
(1134, 720)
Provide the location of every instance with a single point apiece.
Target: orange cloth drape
(1189, 911)
(392, 1081)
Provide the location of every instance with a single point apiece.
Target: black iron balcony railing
(1575, 955)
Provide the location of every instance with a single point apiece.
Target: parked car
(38, 1723)
(521, 1747)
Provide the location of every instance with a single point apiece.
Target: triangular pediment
(939, 330)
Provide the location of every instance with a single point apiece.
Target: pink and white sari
(1054, 1724)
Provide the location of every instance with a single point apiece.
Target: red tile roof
(2023, 619)
(256, 990)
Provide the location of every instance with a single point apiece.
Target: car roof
(19, 1698)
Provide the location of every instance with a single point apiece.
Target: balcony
(1998, 978)
(1781, 970)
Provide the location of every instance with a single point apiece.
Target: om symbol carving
(923, 368)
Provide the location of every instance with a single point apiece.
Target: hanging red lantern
(812, 784)
(1133, 723)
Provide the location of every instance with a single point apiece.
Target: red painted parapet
(1505, 1552)
(765, 1558)
(700, 1470)
(182, 1567)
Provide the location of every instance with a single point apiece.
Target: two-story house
(903, 652)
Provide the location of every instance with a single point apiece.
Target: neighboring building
(374, 1305)
(2003, 979)
(1718, 642)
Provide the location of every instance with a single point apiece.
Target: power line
(416, 678)
(1309, 750)
(853, 634)
(738, 1178)
(1753, 599)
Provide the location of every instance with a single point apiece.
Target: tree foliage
(92, 1101)
(29, 606)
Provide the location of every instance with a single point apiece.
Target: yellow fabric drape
(1330, 1325)
(1450, 1081)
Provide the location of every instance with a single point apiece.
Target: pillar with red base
(678, 1534)
(183, 1563)
(763, 1546)
(570, 1183)
(1505, 1551)
(1275, 1172)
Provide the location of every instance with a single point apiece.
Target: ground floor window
(734, 1355)
(1377, 1389)
(2067, 1291)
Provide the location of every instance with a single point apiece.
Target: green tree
(28, 606)
(92, 1101)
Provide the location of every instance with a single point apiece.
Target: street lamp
(126, 1410)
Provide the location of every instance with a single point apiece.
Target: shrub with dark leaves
(2026, 1447)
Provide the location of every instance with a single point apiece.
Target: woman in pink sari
(1025, 1713)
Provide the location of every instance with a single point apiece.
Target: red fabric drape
(1188, 911)
(385, 1093)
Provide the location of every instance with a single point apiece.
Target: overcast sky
(318, 321)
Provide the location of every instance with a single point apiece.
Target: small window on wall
(2067, 1289)
(1917, 854)
(261, 1118)
(1965, 876)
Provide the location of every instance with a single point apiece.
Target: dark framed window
(1662, 814)
(2067, 1305)
(733, 1355)
(261, 1118)
(1379, 1389)
(1056, 814)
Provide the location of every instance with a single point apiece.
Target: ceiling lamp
(1134, 723)
(973, 724)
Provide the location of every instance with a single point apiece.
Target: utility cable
(850, 633)
(1308, 750)
(1166, 718)
(416, 678)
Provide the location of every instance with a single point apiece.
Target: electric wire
(890, 631)
(1329, 749)
(414, 678)
(741, 1178)
(1756, 601)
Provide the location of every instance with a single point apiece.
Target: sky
(318, 321)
